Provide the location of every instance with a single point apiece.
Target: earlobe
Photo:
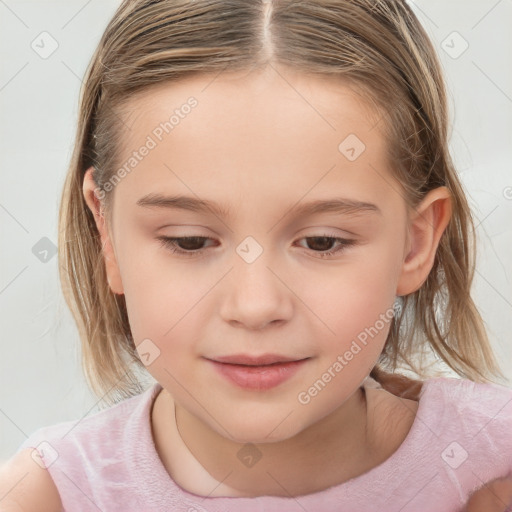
(92, 198)
(426, 227)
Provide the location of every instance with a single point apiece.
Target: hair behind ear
(398, 384)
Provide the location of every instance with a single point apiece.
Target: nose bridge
(252, 275)
(254, 295)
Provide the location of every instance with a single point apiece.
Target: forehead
(259, 102)
(275, 131)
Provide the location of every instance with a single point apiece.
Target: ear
(426, 226)
(91, 193)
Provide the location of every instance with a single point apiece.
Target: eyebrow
(341, 206)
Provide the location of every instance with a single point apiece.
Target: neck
(329, 452)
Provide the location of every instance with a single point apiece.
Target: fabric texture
(461, 438)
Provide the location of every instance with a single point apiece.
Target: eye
(191, 246)
(324, 243)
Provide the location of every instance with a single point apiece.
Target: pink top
(461, 437)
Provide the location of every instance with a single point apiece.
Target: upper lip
(260, 360)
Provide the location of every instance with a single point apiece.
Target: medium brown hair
(377, 47)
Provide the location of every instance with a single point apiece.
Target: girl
(261, 210)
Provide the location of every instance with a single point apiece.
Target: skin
(493, 496)
(258, 144)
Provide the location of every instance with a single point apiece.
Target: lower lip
(258, 377)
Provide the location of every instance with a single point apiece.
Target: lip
(260, 360)
(257, 376)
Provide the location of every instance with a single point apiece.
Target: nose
(255, 295)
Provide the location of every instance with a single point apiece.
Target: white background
(41, 381)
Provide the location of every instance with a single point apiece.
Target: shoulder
(463, 396)
(88, 450)
(473, 424)
(472, 398)
(486, 402)
(26, 485)
(89, 430)
(57, 465)
(480, 414)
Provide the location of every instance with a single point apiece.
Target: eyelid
(171, 244)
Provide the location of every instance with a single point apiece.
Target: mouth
(261, 360)
(257, 373)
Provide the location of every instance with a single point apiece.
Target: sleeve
(501, 424)
(500, 427)
(42, 441)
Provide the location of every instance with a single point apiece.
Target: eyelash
(170, 243)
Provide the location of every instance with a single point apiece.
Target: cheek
(163, 310)
(355, 301)
(166, 304)
(356, 289)
(361, 325)
(164, 297)
(157, 295)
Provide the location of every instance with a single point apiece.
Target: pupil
(190, 242)
(327, 241)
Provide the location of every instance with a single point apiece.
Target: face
(265, 275)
